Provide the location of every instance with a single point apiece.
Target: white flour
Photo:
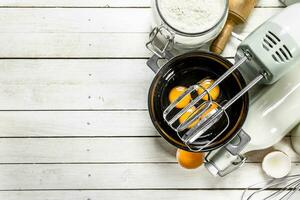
(192, 16)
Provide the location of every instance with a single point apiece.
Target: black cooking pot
(186, 70)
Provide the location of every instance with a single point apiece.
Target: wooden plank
(128, 194)
(75, 45)
(271, 3)
(79, 150)
(103, 150)
(91, 124)
(34, 84)
(76, 124)
(83, 45)
(63, 36)
(73, 20)
(95, 20)
(74, 84)
(100, 3)
(124, 176)
(76, 3)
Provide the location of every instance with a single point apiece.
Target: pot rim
(242, 116)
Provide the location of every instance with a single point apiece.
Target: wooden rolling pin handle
(218, 45)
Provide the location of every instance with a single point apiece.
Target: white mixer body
(275, 113)
(273, 50)
(274, 46)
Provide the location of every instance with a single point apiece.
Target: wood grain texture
(76, 124)
(127, 194)
(67, 84)
(74, 84)
(103, 150)
(124, 176)
(102, 3)
(80, 150)
(75, 45)
(68, 20)
(95, 20)
(89, 33)
(83, 45)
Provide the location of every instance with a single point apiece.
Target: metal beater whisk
(285, 189)
(209, 116)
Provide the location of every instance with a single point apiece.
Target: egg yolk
(176, 92)
(214, 93)
(189, 160)
(211, 108)
(191, 112)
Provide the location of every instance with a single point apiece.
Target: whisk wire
(202, 126)
(291, 186)
(189, 106)
(199, 98)
(200, 110)
(282, 190)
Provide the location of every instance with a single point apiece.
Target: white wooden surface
(73, 107)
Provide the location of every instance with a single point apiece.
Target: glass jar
(183, 25)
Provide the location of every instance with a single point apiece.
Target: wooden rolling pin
(239, 10)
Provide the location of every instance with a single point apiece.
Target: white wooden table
(73, 100)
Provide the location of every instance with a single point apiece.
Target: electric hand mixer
(263, 57)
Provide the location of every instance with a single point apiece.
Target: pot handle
(153, 61)
(160, 41)
(227, 159)
(238, 143)
(159, 53)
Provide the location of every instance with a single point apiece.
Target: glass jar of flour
(185, 24)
